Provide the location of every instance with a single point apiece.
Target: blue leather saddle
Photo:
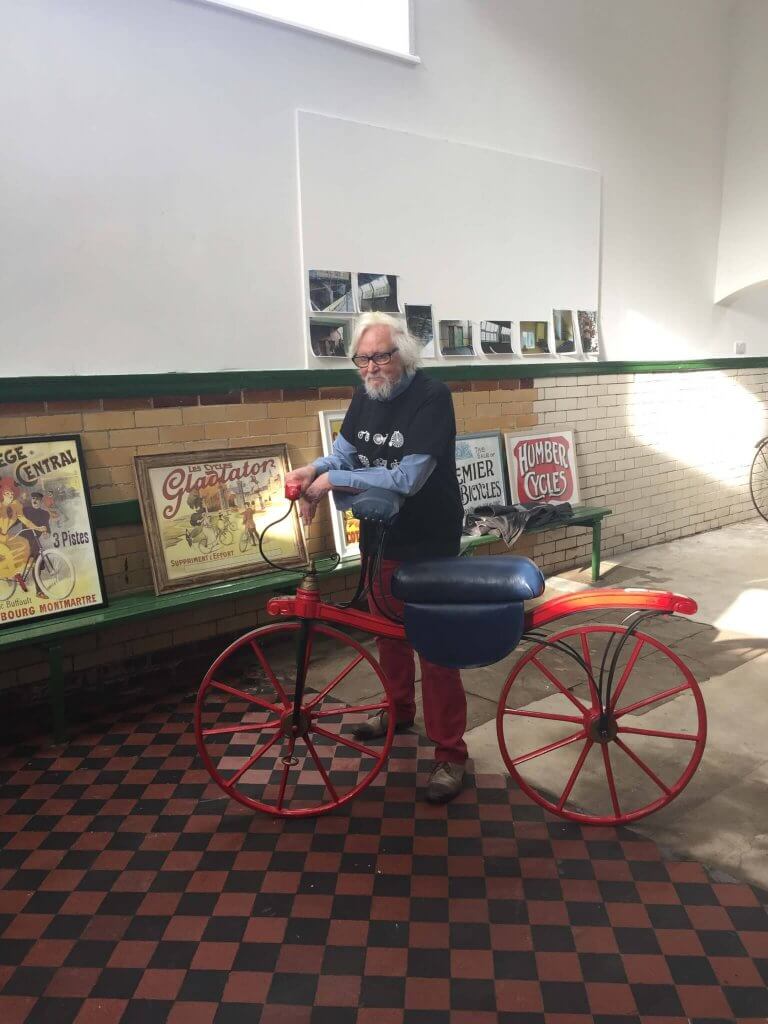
(466, 612)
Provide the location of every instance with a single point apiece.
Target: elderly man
(399, 433)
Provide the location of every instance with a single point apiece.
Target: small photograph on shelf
(587, 319)
(377, 293)
(456, 338)
(565, 339)
(330, 338)
(496, 337)
(330, 291)
(421, 326)
(534, 338)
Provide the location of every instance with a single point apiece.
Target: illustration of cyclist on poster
(48, 557)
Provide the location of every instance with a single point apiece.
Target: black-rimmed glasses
(380, 358)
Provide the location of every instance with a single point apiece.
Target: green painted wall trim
(30, 389)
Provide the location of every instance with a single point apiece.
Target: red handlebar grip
(293, 492)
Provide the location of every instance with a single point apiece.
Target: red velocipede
(583, 719)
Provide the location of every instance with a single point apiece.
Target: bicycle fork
(296, 719)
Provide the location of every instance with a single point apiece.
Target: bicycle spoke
(308, 651)
(542, 714)
(626, 673)
(346, 709)
(660, 732)
(334, 682)
(641, 764)
(229, 729)
(323, 773)
(574, 774)
(611, 783)
(347, 743)
(269, 673)
(646, 701)
(549, 747)
(556, 682)
(225, 688)
(229, 783)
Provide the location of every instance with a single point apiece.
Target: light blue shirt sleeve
(407, 478)
(343, 456)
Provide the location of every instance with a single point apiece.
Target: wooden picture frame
(201, 512)
(49, 557)
(346, 529)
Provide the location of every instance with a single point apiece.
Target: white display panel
(477, 233)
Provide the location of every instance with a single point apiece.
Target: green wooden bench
(49, 634)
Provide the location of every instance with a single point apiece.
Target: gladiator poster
(203, 516)
(346, 529)
(480, 470)
(49, 562)
(542, 467)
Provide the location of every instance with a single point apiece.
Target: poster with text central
(49, 563)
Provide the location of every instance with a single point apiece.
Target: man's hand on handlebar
(301, 477)
(312, 496)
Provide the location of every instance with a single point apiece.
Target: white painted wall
(741, 285)
(743, 249)
(149, 186)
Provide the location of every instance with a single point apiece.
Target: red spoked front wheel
(608, 764)
(267, 755)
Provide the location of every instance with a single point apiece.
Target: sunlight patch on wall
(706, 421)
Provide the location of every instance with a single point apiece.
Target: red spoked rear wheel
(269, 759)
(601, 768)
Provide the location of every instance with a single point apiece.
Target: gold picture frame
(202, 513)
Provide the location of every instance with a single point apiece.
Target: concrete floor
(721, 819)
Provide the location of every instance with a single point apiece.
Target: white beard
(381, 390)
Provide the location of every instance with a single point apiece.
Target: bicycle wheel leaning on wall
(758, 478)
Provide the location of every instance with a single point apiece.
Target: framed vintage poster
(202, 514)
(49, 560)
(542, 467)
(346, 529)
(480, 470)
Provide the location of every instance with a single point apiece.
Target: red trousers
(445, 703)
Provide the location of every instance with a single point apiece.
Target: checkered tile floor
(132, 891)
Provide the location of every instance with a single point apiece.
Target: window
(379, 24)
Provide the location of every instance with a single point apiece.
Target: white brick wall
(669, 453)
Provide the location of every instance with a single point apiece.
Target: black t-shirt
(420, 421)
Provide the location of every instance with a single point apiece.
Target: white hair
(407, 345)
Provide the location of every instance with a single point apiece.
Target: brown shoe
(445, 782)
(377, 726)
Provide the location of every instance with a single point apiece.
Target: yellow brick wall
(113, 431)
